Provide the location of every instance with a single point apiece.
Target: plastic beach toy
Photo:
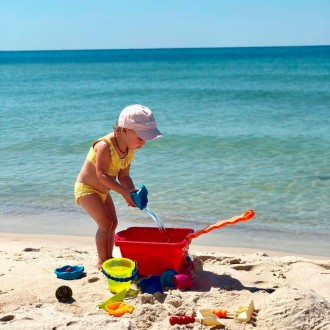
(140, 197)
(204, 317)
(119, 308)
(167, 278)
(151, 285)
(222, 223)
(119, 297)
(69, 272)
(182, 281)
(182, 320)
(153, 254)
(243, 313)
(120, 272)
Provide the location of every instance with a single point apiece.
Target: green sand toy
(119, 297)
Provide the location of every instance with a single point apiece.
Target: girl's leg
(98, 210)
(112, 211)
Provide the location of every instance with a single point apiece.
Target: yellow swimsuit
(115, 165)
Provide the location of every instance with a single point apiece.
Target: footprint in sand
(235, 261)
(93, 279)
(7, 318)
(31, 250)
(247, 268)
(71, 323)
(80, 252)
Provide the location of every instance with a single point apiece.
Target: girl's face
(132, 140)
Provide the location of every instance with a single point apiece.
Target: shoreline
(62, 240)
(242, 237)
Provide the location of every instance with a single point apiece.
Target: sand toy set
(155, 259)
(160, 257)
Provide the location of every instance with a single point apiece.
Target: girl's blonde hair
(116, 128)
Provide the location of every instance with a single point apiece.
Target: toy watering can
(140, 197)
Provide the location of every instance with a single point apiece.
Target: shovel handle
(222, 223)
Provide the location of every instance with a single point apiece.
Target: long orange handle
(222, 223)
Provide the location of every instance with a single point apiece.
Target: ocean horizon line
(159, 48)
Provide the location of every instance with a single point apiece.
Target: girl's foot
(99, 264)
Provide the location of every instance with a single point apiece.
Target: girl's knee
(108, 226)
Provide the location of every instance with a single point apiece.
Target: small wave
(321, 177)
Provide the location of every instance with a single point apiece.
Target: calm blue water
(243, 128)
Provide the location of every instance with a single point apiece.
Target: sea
(243, 128)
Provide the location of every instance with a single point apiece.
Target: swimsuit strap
(107, 141)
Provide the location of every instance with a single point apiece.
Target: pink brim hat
(141, 120)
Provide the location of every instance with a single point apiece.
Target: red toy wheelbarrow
(156, 251)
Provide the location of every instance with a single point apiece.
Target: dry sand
(289, 292)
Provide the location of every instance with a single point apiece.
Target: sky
(135, 24)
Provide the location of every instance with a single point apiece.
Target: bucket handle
(232, 221)
(125, 279)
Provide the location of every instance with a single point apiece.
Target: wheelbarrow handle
(222, 223)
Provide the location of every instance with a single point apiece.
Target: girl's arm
(102, 165)
(125, 179)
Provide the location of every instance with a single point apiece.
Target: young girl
(107, 161)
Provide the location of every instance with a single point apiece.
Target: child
(109, 159)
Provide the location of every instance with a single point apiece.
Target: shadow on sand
(207, 280)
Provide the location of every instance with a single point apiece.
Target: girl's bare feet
(99, 263)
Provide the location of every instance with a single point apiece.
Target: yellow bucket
(120, 272)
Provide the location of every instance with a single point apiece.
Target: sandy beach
(289, 292)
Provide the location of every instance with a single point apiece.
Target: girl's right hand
(128, 197)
